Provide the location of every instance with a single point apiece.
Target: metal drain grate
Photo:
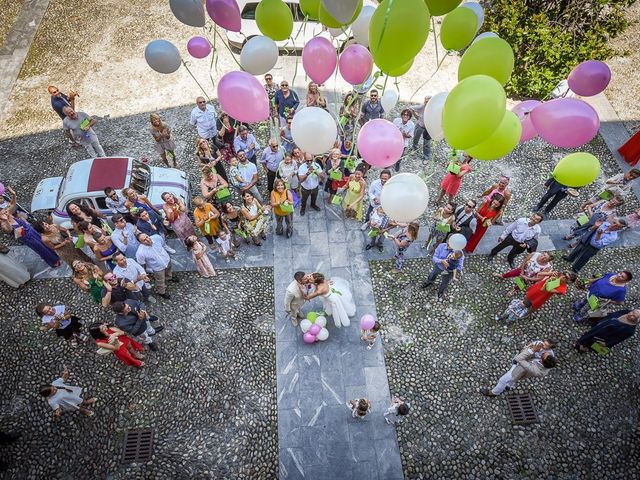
(138, 445)
(521, 408)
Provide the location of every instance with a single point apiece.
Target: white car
(301, 33)
(86, 180)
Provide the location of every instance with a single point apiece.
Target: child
(63, 397)
(517, 309)
(379, 223)
(199, 253)
(63, 322)
(359, 407)
(224, 245)
(234, 174)
(370, 335)
(397, 408)
(540, 347)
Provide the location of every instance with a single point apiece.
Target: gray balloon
(341, 10)
(162, 56)
(189, 12)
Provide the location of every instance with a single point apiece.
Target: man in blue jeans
(446, 262)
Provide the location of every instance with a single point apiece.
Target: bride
(336, 298)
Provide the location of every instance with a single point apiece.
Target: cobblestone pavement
(439, 352)
(209, 391)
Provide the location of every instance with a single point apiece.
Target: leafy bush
(550, 37)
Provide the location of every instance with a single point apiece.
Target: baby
(224, 245)
(516, 310)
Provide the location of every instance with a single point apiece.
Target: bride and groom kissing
(334, 293)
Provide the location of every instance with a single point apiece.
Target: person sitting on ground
(65, 398)
(609, 289)
(612, 330)
(111, 338)
(61, 320)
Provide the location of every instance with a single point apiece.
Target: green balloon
(458, 28)
(310, 8)
(440, 7)
(577, 170)
(488, 56)
(397, 72)
(473, 111)
(329, 21)
(312, 316)
(501, 142)
(397, 32)
(274, 19)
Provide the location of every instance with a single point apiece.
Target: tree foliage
(550, 37)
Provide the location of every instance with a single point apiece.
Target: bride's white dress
(338, 302)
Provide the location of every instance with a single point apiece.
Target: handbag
(443, 227)
(105, 226)
(453, 168)
(223, 194)
(286, 208)
(551, 284)
(605, 195)
(336, 200)
(520, 283)
(582, 219)
(240, 233)
(599, 349)
(80, 242)
(350, 164)
(374, 232)
(335, 175)
(594, 302)
(296, 198)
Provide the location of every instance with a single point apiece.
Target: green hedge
(550, 37)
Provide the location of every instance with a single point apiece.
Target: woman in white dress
(336, 298)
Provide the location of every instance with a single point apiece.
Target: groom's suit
(293, 301)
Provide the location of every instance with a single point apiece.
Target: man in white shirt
(153, 256)
(203, 116)
(517, 236)
(407, 128)
(124, 236)
(116, 203)
(374, 191)
(132, 271)
(310, 174)
(247, 143)
(249, 173)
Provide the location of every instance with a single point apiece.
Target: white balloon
(341, 10)
(162, 56)
(365, 86)
(457, 241)
(478, 10)
(360, 28)
(322, 335)
(259, 55)
(433, 115)
(305, 325)
(484, 35)
(322, 321)
(335, 32)
(189, 12)
(404, 197)
(314, 130)
(389, 99)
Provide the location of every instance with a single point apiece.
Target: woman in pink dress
(199, 252)
(452, 181)
(175, 211)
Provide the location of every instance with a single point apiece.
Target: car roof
(96, 174)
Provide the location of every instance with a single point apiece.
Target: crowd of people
(123, 261)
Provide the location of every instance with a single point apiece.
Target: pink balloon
(315, 329)
(589, 78)
(380, 143)
(225, 13)
(198, 47)
(528, 130)
(243, 97)
(1, 188)
(367, 322)
(565, 122)
(355, 64)
(524, 108)
(319, 59)
(309, 338)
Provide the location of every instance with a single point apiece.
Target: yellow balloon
(577, 170)
(501, 142)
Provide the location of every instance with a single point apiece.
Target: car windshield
(140, 177)
(63, 184)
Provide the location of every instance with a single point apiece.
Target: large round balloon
(314, 130)
(441, 7)
(225, 13)
(577, 170)
(355, 64)
(397, 32)
(522, 110)
(259, 55)
(360, 27)
(344, 11)
(457, 241)
(397, 72)
(485, 35)
(274, 19)
(404, 197)
(189, 12)
(473, 110)
(589, 78)
(162, 56)
(433, 115)
(458, 28)
(243, 97)
(501, 142)
(566, 122)
(477, 10)
(489, 56)
(326, 18)
(319, 59)
(198, 47)
(310, 8)
(380, 143)
(389, 99)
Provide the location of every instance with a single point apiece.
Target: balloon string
(432, 75)
(384, 24)
(435, 39)
(228, 48)
(295, 69)
(196, 80)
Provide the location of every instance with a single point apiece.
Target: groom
(294, 297)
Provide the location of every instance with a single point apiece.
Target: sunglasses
(268, 79)
(55, 92)
(201, 103)
(284, 85)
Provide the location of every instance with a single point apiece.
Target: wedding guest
(206, 218)
(225, 248)
(601, 235)
(286, 102)
(104, 249)
(59, 240)
(356, 187)
(199, 253)
(246, 142)
(139, 201)
(80, 212)
(245, 176)
(111, 338)
(407, 128)
(282, 204)
(608, 289)
(371, 335)
(132, 271)
(288, 172)
(452, 180)
(446, 262)
(371, 108)
(349, 111)
(117, 204)
(555, 284)
(134, 320)
(375, 190)
(465, 222)
(88, 277)
(208, 158)
(286, 137)
(488, 212)
(227, 131)
(232, 218)
(535, 267)
(310, 174)
(204, 117)
(165, 146)
(175, 211)
(520, 236)
(556, 192)
(336, 173)
(380, 224)
(421, 129)
(314, 97)
(59, 318)
(254, 218)
(501, 188)
(271, 89)
(397, 408)
(271, 158)
(403, 240)
(124, 236)
(65, 398)
(610, 331)
(80, 126)
(441, 226)
(155, 259)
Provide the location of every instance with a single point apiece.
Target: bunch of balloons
(314, 327)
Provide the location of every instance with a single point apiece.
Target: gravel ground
(209, 391)
(439, 353)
